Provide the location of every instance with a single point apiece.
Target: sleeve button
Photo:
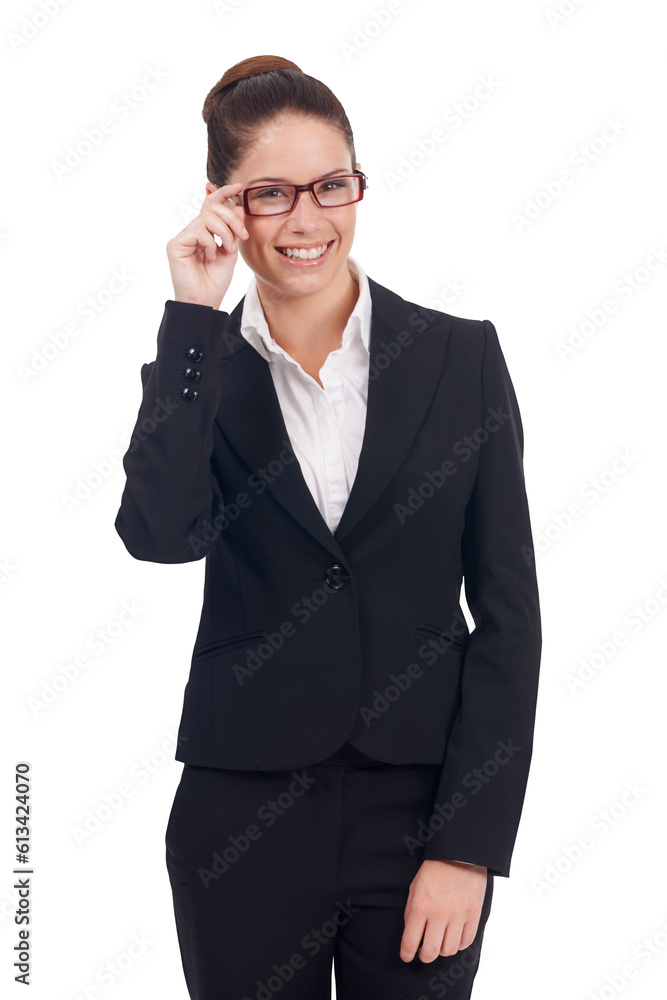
(195, 354)
(189, 394)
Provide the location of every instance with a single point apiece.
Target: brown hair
(251, 94)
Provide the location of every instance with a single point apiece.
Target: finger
(450, 942)
(207, 243)
(200, 241)
(200, 234)
(412, 935)
(225, 224)
(228, 249)
(229, 240)
(469, 933)
(225, 191)
(233, 217)
(225, 197)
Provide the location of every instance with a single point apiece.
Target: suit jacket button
(195, 354)
(337, 577)
(189, 394)
(192, 374)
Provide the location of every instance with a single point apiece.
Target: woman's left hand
(444, 905)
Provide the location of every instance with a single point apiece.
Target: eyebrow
(284, 180)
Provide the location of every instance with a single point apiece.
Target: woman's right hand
(201, 271)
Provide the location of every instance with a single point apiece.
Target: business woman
(355, 760)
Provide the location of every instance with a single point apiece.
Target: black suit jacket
(308, 637)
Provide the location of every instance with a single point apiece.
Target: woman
(355, 761)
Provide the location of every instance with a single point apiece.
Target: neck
(310, 322)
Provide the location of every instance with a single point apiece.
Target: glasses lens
(338, 190)
(277, 199)
(270, 200)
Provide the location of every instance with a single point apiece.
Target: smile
(305, 253)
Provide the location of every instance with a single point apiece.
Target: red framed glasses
(328, 192)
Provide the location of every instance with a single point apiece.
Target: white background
(559, 928)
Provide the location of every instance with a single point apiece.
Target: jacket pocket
(445, 638)
(225, 645)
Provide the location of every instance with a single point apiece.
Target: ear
(211, 187)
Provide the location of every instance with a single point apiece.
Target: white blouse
(325, 423)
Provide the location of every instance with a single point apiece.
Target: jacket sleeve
(170, 492)
(481, 792)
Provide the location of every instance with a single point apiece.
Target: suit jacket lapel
(402, 382)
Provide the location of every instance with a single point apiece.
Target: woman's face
(297, 151)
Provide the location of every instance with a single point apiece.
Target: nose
(306, 213)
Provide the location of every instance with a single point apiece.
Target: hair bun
(255, 93)
(247, 67)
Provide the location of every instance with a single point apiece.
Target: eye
(334, 184)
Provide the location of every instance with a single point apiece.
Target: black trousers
(277, 874)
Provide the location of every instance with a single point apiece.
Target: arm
(486, 765)
(489, 750)
(170, 490)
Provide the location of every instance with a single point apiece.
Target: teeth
(303, 254)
